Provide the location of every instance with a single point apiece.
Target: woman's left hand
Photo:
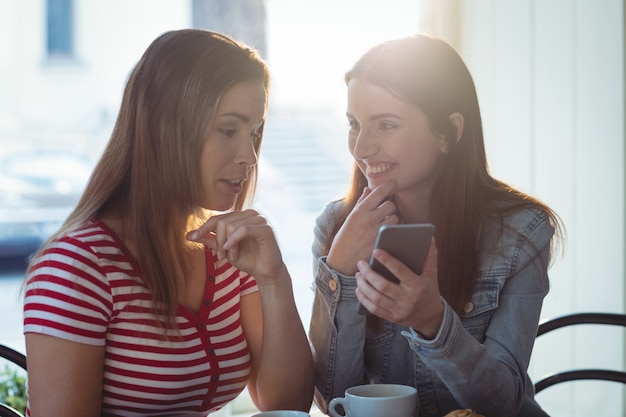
(414, 302)
(245, 239)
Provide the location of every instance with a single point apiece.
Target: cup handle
(334, 402)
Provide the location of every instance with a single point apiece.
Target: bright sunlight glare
(313, 43)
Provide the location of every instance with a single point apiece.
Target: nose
(247, 154)
(363, 145)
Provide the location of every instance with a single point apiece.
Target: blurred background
(551, 84)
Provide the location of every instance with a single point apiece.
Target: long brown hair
(148, 176)
(428, 73)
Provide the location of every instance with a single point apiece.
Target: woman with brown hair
(462, 331)
(161, 294)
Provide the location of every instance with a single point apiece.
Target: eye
(229, 133)
(387, 126)
(353, 125)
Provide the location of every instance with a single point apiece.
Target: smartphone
(408, 243)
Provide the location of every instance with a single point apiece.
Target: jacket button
(332, 284)
(469, 307)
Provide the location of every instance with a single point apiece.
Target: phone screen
(409, 243)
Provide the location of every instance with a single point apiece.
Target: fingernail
(193, 235)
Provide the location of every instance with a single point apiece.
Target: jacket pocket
(478, 312)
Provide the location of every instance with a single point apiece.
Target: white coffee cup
(376, 400)
(282, 413)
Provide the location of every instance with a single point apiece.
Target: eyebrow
(238, 115)
(378, 116)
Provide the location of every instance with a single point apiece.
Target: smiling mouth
(378, 169)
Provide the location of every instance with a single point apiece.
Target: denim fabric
(478, 360)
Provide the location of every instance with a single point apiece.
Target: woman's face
(229, 150)
(391, 139)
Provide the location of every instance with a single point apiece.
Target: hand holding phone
(409, 243)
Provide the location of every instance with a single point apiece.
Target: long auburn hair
(148, 175)
(425, 71)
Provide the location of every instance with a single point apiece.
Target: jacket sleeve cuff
(334, 283)
(419, 343)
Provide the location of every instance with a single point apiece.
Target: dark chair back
(16, 358)
(581, 374)
(13, 355)
(6, 411)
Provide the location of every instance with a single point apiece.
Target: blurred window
(60, 36)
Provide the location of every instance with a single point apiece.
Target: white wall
(550, 80)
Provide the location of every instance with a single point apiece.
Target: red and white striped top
(86, 288)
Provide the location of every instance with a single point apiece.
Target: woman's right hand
(355, 239)
(247, 240)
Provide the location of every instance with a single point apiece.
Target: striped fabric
(87, 289)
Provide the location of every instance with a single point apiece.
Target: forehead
(248, 97)
(367, 97)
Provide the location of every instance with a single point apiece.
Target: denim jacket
(478, 360)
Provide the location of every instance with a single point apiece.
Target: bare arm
(282, 366)
(64, 378)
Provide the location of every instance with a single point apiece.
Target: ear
(457, 121)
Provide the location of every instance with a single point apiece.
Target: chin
(220, 206)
